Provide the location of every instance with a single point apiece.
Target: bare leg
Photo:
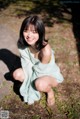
(45, 84)
(50, 98)
(18, 74)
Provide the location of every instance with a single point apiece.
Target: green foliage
(36, 117)
(70, 108)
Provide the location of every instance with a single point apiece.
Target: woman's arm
(45, 54)
(25, 62)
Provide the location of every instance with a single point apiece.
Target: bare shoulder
(46, 50)
(45, 54)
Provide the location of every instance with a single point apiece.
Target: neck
(33, 49)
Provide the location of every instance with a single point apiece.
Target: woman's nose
(29, 33)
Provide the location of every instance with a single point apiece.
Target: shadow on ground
(12, 62)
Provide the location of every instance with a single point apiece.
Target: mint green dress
(34, 69)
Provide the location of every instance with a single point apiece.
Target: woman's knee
(41, 85)
(45, 83)
(18, 74)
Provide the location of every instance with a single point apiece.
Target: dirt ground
(67, 94)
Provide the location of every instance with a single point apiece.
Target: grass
(70, 107)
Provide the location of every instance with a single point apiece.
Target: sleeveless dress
(33, 69)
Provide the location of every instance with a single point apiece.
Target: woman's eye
(34, 31)
(25, 30)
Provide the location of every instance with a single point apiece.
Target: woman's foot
(50, 98)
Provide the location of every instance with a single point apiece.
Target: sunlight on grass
(20, 8)
(36, 117)
(43, 100)
(70, 107)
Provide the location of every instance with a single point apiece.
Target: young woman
(39, 72)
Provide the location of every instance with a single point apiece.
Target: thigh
(47, 80)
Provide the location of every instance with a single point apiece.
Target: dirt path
(8, 52)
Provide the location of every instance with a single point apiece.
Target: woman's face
(31, 36)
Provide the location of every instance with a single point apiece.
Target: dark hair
(40, 28)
